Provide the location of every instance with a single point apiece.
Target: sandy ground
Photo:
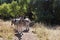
(29, 36)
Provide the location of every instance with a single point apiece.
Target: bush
(15, 8)
(12, 9)
(9, 10)
(4, 10)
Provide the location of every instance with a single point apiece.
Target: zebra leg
(21, 33)
(19, 36)
(27, 28)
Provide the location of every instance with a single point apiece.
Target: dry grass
(41, 31)
(46, 34)
(6, 32)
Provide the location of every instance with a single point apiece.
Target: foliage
(39, 10)
(10, 10)
(14, 9)
(4, 10)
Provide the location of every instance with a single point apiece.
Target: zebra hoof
(27, 30)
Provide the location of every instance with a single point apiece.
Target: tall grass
(41, 31)
(6, 33)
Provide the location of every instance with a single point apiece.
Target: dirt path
(29, 36)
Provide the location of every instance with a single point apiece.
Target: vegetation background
(47, 11)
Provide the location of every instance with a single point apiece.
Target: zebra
(20, 23)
